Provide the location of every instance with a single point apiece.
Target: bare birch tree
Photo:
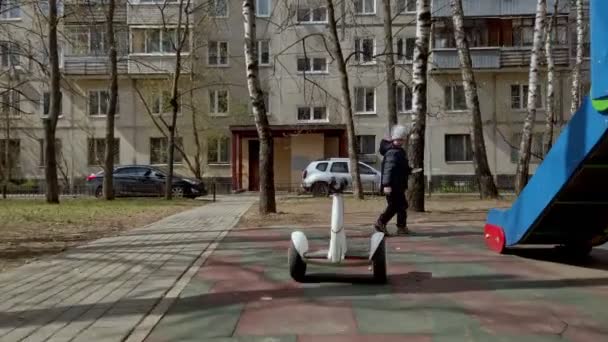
(487, 187)
(389, 65)
(267, 202)
(523, 163)
(416, 144)
(550, 27)
(50, 123)
(347, 107)
(108, 179)
(576, 73)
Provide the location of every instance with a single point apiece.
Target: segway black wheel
(297, 266)
(379, 264)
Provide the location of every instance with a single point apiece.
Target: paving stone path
(113, 288)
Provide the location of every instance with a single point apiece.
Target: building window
(97, 150)
(315, 65)
(9, 54)
(364, 50)
(14, 151)
(312, 15)
(262, 8)
(218, 53)
(46, 103)
(406, 6)
(159, 151)
(536, 149)
(365, 100)
(219, 8)
(10, 102)
(312, 114)
(58, 151)
(366, 144)
(99, 102)
(161, 103)
(84, 41)
(454, 98)
(218, 101)
(218, 151)
(519, 96)
(405, 49)
(523, 32)
(10, 9)
(404, 99)
(156, 40)
(263, 52)
(458, 148)
(365, 6)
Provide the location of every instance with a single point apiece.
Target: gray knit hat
(399, 132)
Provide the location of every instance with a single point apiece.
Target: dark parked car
(142, 180)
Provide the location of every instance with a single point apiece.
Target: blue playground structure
(565, 203)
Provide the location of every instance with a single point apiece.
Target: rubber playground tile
(364, 338)
(391, 316)
(191, 321)
(253, 339)
(296, 316)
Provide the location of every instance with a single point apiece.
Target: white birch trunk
(523, 163)
(415, 193)
(576, 73)
(267, 192)
(550, 113)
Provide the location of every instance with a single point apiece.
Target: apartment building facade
(299, 77)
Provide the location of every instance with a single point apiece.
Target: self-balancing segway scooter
(299, 255)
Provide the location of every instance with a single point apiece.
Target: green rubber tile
(253, 339)
(391, 316)
(194, 322)
(196, 287)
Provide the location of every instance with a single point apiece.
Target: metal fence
(223, 187)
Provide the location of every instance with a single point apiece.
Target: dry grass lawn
(30, 228)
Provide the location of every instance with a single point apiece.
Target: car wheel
(99, 192)
(177, 192)
(320, 189)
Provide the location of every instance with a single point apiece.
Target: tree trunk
(108, 179)
(267, 192)
(415, 193)
(347, 107)
(178, 45)
(50, 123)
(487, 187)
(391, 85)
(550, 114)
(523, 163)
(576, 73)
(8, 165)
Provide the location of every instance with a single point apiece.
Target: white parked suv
(318, 175)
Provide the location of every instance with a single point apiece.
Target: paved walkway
(113, 287)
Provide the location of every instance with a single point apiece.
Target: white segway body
(337, 254)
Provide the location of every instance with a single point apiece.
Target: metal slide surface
(566, 201)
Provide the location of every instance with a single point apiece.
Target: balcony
(77, 12)
(491, 8)
(493, 57)
(482, 58)
(151, 13)
(91, 65)
(157, 64)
